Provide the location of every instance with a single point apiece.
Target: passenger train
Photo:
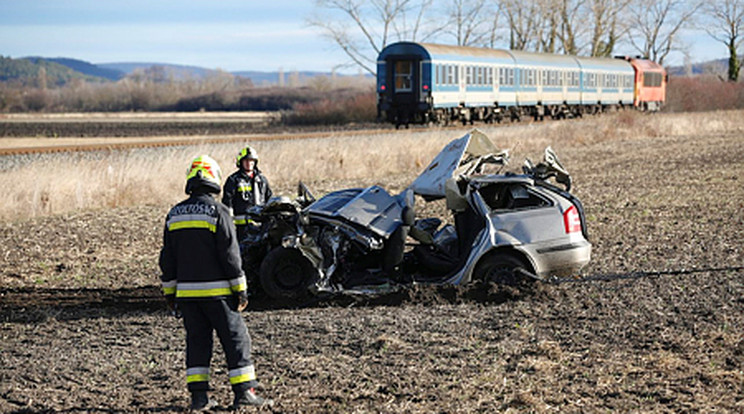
(429, 83)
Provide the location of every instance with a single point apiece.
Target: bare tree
(368, 25)
(469, 22)
(547, 26)
(573, 14)
(656, 24)
(607, 25)
(523, 19)
(728, 20)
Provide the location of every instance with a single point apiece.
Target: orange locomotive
(650, 84)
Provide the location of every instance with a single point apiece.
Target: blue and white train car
(605, 82)
(423, 83)
(420, 83)
(547, 82)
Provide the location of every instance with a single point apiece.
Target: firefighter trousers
(200, 318)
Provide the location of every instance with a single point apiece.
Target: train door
(405, 74)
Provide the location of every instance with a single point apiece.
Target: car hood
(461, 157)
(372, 208)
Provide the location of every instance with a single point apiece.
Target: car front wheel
(286, 274)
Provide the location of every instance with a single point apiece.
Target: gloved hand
(170, 301)
(242, 301)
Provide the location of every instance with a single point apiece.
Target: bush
(36, 100)
(359, 107)
(703, 93)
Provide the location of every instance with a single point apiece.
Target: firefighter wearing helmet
(203, 279)
(245, 188)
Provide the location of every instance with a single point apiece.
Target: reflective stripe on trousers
(197, 374)
(243, 374)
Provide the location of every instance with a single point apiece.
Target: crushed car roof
(462, 156)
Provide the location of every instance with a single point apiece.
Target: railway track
(118, 144)
(73, 132)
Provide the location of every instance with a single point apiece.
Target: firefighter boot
(249, 398)
(200, 401)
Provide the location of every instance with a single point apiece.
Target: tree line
(362, 28)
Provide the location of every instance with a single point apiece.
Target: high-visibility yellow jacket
(200, 258)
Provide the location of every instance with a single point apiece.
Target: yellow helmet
(204, 172)
(247, 152)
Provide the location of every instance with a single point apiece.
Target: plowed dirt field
(83, 327)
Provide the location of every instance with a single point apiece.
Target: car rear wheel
(501, 269)
(286, 274)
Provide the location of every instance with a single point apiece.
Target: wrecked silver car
(506, 228)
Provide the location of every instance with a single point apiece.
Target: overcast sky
(233, 35)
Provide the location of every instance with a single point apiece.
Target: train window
(403, 73)
(479, 72)
(468, 75)
(489, 76)
(652, 79)
(506, 76)
(544, 76)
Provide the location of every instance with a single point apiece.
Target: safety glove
(242, 301)
(170, 301)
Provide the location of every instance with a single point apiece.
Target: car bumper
(561, 259)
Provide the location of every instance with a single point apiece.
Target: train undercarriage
(403, 117)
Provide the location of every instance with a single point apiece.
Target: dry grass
(52, 184)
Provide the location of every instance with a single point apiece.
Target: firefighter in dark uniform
(203, 280)
(245, 188)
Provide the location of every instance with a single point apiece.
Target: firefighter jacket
(200, 258)
(242, 191)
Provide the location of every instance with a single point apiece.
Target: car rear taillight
(571, 220)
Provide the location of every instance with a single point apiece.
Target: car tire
(500, 269)
(287, 275)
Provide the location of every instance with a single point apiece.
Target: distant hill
(88, 68)
(61, 70)
(27, 72)
(178, 72)
(711, 67)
